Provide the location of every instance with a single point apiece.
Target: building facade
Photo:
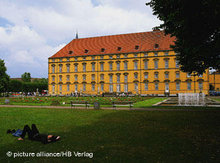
(137, 63)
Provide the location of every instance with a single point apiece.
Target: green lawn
(139, 102)
(116, 136)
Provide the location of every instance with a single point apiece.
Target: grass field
(116, 136)
(65, 101)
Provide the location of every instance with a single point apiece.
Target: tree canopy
(4, 78)
(26, 77)
(196, 26)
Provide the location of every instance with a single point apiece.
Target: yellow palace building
(137, 63)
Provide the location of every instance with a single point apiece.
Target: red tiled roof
(145, 40)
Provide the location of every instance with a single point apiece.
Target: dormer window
(70, 52)
(156, 46)
(102, 49)
(119, 48)
(86, 50)
(136, 47)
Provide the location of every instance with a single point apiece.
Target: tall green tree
(15, 86)
(26, 77)
(4, 78)
(196, 26)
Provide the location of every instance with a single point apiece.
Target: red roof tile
(145, 40)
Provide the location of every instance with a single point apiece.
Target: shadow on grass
(117, 136)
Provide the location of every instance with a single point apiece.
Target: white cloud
(40, 28)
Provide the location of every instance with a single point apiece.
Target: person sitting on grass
(33, 134)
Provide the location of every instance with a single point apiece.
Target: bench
(122, 103)
(79, 103)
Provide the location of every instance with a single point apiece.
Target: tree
(4, 78)
(15, 86)
(196, 26)
(26, 77)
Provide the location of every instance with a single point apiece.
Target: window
(60, 68)
(70, 52)
(86, 51)
(156, 46)
(118, 88)
(102, 49)
(188, 85)
(166, 63)
(125, 65)
(93, 76)
(200, 85)
(177, 86)
(53, 78)
(145, 75)
(110, 88)
(146, 86)
(75, 58)
(156, 75)
(68, 87)
(166, 86)
(67, 78)
(145, 54)
(125, 88)
(118, 78)
(126, 78)
(84, 77)
(145, 64)
(166, 53)
(118, 66)
(110, 66)
(84, 86)
(119, 48)
(101, 57)
(93, 87)
(118, 56)
(200, 75)
(155, 54)
(166, 75)
(67, 59)
(135, 75)
(76, 87)
(188, 75)
(76, 67)
(135, 65)
(84, 67)
(84, 58)
(102, 77)
(110, 78)
(53, 60)
(135, 55)
(53, 88)
(53, 68)
(110, 57)
(177, 63)
(125, 56)
(102, 87)
(136, 87)
(177, 75)
(102, 66)
(60, 78)
(61, 59)
(156, 64)
(76, 77)
(156, 86)
(136, 47)
(60, 87)
(93, 67)
(67, 68)
(93, 57)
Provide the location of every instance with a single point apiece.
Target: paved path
(104, 108)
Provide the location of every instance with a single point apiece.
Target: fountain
(191, 99)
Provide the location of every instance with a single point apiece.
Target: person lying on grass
(33, 134)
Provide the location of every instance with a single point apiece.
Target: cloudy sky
(33, 30)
